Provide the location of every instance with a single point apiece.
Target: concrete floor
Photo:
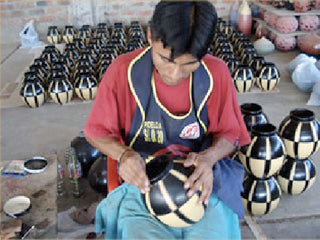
(27, 132)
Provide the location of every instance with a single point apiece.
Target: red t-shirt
(114, 106)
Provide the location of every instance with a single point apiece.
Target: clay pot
(300, 132)
(85, 152)
(253, 115)
(60, 90)
(97, 175)
(243, 78)
(264, 156)
(86, 86)
(287, 24)
(233, 14)
(53, 35)
(232, 64)
(301, 5)
(260, 196)
(42, 63)
(50, 54)
(245, 18)
(167, 177)
(285, 43)
(256, 63)
(310, 43)
(297, 176)
(32, 91)
(268, 76)
(69, 34)
(278, 3)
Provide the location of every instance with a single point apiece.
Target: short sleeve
(225, 119)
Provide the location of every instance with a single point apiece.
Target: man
(170, 98)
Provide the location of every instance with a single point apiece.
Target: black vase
(265, 155)
(53, 35)
(260, 196)
(296, 176)
(60, 90)
(253, 115)
(33, 92)
(243, 78)
(86, 86)
(85, 152)
(300, 132)
(268, 76)
(97, 175)
(167, 177)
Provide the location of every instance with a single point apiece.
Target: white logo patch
(192, 131)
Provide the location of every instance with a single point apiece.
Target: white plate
(17, 205)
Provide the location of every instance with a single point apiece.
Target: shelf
(294, 34)
(285, 12)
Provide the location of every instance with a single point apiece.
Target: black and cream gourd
(167, 200)
(243, 78)
(253, 115)
(86, 86)
(32, 91)
(60, 89)
(53, 35)
(268, 76)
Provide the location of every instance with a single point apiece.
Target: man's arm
(204, 161)
(132, 167)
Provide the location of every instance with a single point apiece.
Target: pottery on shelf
(285, 43)
(233, 14)
(309, 23)
(297, 175)
(265, 155)
(287, 24)
(260, 196)
(310, 43)
(300, 132)
(167, 200)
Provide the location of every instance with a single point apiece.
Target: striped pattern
(173, 207)
(242, 79)
(260, 196)
(61, 91)
(301, 139)
(254, 119)
(268, 78)
(296, 176)
(264, 156)
(33, 94)
(86, 88)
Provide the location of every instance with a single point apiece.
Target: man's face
(172, 72)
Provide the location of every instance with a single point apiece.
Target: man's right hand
(132, 169)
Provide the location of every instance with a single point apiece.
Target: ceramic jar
(42, 63)
(167, 177)
(256, 63)
(265, 155)
(287, 24)
(97, 175)
(260, 196)
(40, 72)
(86, 153)
(232, 64)
(86, 86)
(253, 115)
(301, 5)
(68, 34)
(285, 43)
(297, 175)
(53, 35)
(32, 91)
(263, 46)
(268, 76)
(309, 23)
(310, 43)
(233, 14)
(300, 132)
(60, 90)
(243, 78)
(245, 18)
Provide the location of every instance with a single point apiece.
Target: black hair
(185, 26)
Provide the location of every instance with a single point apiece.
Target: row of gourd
(79, 68)
(297, 6)
(277, 161)
(246, 67)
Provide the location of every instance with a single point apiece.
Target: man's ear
(149, 36)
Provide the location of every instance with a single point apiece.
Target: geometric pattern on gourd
(33, 94)
(61, 92)
(296, 176)
(243, 80)
(301, 140)
(54, 39)
(260, 196)
(268, 78)
(264, 156)
(174, 212)
(252, 120)
(86, 88)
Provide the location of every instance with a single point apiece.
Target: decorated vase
(60, 90)
(253, 115)
(300, 132)
(297, 175)
(265, 155)
(86, 86)
(268, 76)
(243, 78)
(68, 34)
(245, 18)
(167, 200)
(53, 35)
(32, 91)
(260, 196)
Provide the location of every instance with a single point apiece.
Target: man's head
(180, 34)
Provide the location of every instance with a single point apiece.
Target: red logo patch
(192, 131)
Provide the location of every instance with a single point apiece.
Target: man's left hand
(201, 178)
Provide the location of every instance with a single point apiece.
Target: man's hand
(201, 178)
(132, 169)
